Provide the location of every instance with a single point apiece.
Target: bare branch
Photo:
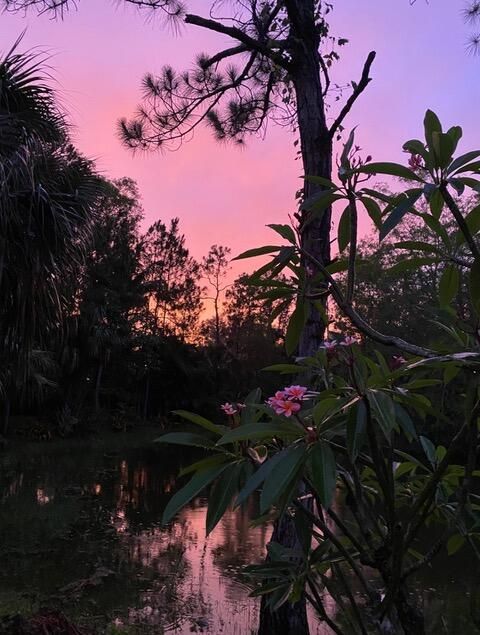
(232, 31)
(359, 88)
(221, 55)
(237, 34)
(326, 74)
(359, 322)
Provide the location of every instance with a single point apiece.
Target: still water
(80, 530)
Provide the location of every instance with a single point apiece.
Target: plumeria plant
(341, 452)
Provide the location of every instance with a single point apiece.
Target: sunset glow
(227, 195)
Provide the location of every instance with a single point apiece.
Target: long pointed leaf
(197, 484)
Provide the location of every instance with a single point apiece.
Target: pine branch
(237, 34)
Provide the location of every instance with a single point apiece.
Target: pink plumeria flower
(286, 407)
(397, 361)
(295, 393)
(348, 341)
(273, 402)
(415, 162)
(228, 409)
(278, 396)
(330, 345)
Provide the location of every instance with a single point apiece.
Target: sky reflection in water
(80, 528)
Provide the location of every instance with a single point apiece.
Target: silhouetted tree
(215, 267)
(110, 289)
(171, 277)
(47, 197)
(277, 69)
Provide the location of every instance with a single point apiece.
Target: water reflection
(80, 529)
(86, 526)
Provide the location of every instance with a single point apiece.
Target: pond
(80, 529)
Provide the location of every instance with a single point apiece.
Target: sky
(223, 194)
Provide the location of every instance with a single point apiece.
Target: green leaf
(285, 231)
(200, 421)
(186, 438)
(458, 186)
(383, 409)
(356, 428)
(436, 203)
(469, 182)
(470, 167)
(415, 384)
(385, 198)
(455, 543)
(324, 472)
(295, 327)
(203, 464)
(414, 146)
(325, 406)
(261, 430)
(443, 146)
(455, 133)
(412, 263)
(320, 180)
(436, 227)
(344, 160)
(429, 450)
(197, 484)
(449, 284)
(337, 266)
(417, 245)
(282, 477)
(450, 372)
(318, 203)
(391, 169)
(258, 477)
(344, 229)
(373, 210)
(277, 294)
(474, 285)
(222, 494)
(406, 423)
(472, 220)
(431, 124)
(258, 251)
(463, 160)
(398, 213)
(249, 414)
(285, 369)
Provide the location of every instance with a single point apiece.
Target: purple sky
(223, 194)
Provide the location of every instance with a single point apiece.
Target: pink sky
(223, 194)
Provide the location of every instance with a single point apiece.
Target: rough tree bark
(316, 150)
(315, 142)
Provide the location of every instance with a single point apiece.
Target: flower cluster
(331, 345)
(286, 401)
(232, 409)
(415, 162)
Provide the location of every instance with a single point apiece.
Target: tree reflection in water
(80, 529)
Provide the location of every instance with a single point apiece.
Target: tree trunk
(316, 149)
(315, 142)
(289, 619)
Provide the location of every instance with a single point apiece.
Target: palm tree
(47, 196)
